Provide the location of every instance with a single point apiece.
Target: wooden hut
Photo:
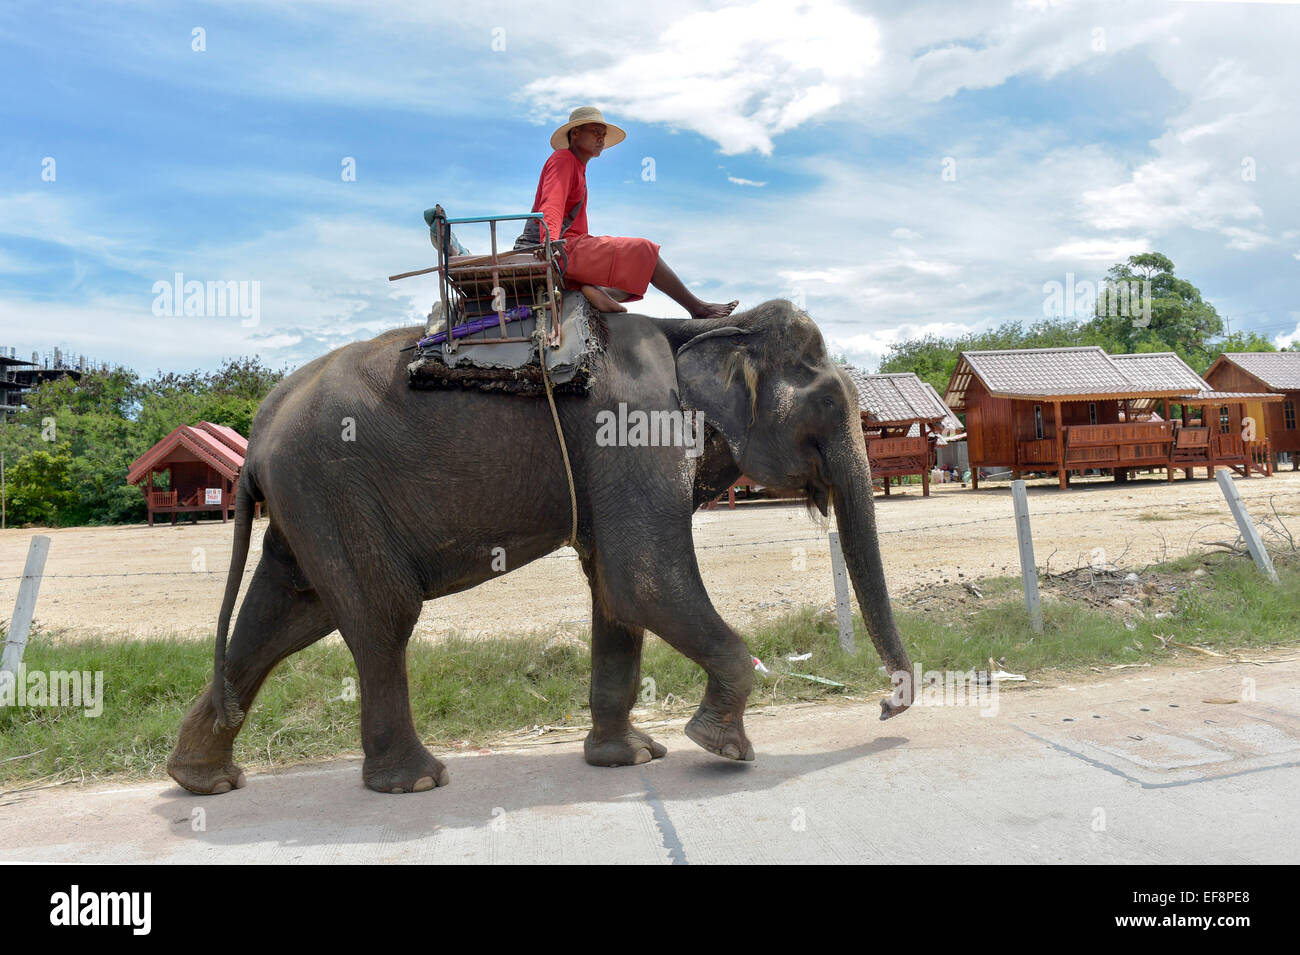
(1074, 409)
(202, 464)
(1211, 431)
(902, 419)
(1277, 373)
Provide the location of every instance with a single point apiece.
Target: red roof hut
(1275, 372)
(202, 463)
(902, 418)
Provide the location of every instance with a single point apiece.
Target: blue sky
(798, 151)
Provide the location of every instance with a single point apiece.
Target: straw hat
(581, 116)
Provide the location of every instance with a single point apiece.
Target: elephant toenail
(642, 756)
(397, 790)
(731, 751)
(221, 787)
(241, 782)
(444, 777)
(423, 784)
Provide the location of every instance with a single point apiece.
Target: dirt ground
(757, 560)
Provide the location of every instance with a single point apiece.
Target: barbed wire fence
(1009, 517)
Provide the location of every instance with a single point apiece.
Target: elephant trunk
(855, 516)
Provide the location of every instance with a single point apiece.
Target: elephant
(382, 497)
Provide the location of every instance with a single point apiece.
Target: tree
(72, 445)
(1164, 313)
(934, 359)
(39, 486)
(1244, 341)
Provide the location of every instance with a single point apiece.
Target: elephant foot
(417, 773)
(206, 779)
(629, 748)
(723, 737)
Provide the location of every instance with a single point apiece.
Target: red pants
(611, 261)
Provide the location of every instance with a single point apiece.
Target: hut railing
(1128, 444)
(1261, 456)
(897, 447)
(1135, 432)
(1227, 447)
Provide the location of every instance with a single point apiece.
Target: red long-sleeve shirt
(563, 184)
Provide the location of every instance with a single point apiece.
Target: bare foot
(711, 310)
(600, 300)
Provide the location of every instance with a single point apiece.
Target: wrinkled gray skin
(362, 532)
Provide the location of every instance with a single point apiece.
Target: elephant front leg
(615, 683)
(718, 725)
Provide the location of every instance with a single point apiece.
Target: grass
(467, 692)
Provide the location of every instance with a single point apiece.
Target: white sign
(212, 495)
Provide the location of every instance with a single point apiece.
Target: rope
(564, 450)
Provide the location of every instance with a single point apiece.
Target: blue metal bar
(526, 215)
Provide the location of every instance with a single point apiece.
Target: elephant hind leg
(615, 684)
(396, 761)
(274, 622)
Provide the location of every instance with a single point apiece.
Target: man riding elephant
(600, 265)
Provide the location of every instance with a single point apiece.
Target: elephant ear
(717, 375)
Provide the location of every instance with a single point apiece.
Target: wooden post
(925, 482)
(1245, 524)
(1060, 445)
(21, 622)
(843, 609)
(1028, 572)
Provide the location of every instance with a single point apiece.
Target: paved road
(1132, 767)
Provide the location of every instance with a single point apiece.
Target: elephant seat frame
(508, 285)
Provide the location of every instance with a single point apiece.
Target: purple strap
(476, 324)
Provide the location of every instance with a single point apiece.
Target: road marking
(1145, 785)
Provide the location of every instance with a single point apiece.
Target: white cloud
(1105, 250)
(745, 182)
(738, 75)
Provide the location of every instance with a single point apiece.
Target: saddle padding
(512, 367)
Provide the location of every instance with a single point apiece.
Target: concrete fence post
(843, 609)
(1245, 524)
(1028, 571)
(24, 608)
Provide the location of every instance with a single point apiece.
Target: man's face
(588, 139)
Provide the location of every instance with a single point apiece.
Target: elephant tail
(225, 701)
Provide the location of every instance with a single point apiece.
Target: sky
(896, 168)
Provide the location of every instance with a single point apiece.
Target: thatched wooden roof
(897, 399)
(1277, 371)
(1075, 373)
